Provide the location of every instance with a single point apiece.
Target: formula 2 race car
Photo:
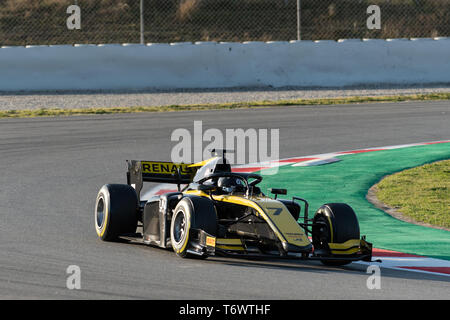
(220, 212)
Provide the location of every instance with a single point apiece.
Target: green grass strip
(421, 193)
(55, 112)
(349, 180)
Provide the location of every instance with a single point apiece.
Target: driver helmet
(230, 184)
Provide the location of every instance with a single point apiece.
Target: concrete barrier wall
(212, 65)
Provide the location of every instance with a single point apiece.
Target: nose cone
(288, 247)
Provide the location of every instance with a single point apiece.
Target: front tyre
(115, 213)
(334, 223)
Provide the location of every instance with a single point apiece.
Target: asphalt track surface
(51, 170)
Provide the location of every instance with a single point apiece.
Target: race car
(220, 212)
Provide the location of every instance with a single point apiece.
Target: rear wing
(158, 171)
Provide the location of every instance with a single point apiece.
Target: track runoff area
(346, 176)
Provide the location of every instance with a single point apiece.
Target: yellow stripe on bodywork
(273, 212)
(229, 244)
(233, 242)
(349, 251)
(347, 247)
(244, 202)
(235, 248)
(284, 221)
(202, 163)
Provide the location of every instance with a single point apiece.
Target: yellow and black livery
(219, 212)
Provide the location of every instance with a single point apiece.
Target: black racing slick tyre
(180, 228)
(185, 218)
(334, 223)
(116, 211)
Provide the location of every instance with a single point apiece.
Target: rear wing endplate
(158, 171)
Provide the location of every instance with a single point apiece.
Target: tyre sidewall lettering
(186, 211)
(103, 194)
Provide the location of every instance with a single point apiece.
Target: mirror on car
(277, 191)
(207, 187)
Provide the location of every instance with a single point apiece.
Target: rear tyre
(116, 210)
(180, 227)
(334, 223)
